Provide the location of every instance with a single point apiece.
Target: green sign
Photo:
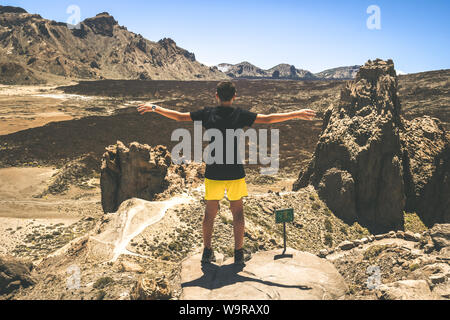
(283, 216)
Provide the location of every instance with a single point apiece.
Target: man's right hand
(306, 114)
(146, 107)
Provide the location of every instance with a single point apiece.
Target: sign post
(284, 216)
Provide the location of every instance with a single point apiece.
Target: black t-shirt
(223, 118)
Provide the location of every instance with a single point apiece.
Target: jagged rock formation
(427, 169)
(339, 73)
(247, 70)
(357, 166)
(140, 171)
(304, 277)
(363, 160)
(98, 48)
(14, 274)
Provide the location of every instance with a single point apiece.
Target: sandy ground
(32, 227)
(25, 107)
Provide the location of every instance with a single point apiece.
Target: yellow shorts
(215, 189)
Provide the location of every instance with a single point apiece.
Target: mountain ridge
(34, 50)
(246, 70)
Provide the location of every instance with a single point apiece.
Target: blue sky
(313, 35)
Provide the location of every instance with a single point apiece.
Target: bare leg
(237, 209)
(212, 207)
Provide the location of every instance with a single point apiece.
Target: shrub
(328, 225)
(328, 240)
(103, 282)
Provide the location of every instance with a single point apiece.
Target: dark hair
(226, 91)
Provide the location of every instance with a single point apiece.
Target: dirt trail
(131, 220)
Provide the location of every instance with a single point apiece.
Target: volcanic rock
(406, 290)
(427, 170)
(370, 164)
(304, 277)
(14, 274)
(102, 24)
(9, 9)
(357, 165)
(440, 234)
(140, 171)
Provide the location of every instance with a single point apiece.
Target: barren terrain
(50, 193)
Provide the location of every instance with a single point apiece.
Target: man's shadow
(215, 277)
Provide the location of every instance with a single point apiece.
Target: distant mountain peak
(97, 48)
(10, 9)
(103, 14)
(248, 70)
(103, 24)
(339, 73)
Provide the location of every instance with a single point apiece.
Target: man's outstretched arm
(174, 115)
(305, 114)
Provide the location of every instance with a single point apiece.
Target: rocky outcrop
(10, 9)
(357, 166)
(303, 277)
(427, 170)
(14, 73)
(140, 171)
(370, 164)
(102, 24)
(14, 274)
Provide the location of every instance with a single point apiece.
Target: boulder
(440, 234)
(346, 245)
(437, 278)
(140, 171)
(323, 253)
(303, 277)
(14, 274)
(406, 290)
